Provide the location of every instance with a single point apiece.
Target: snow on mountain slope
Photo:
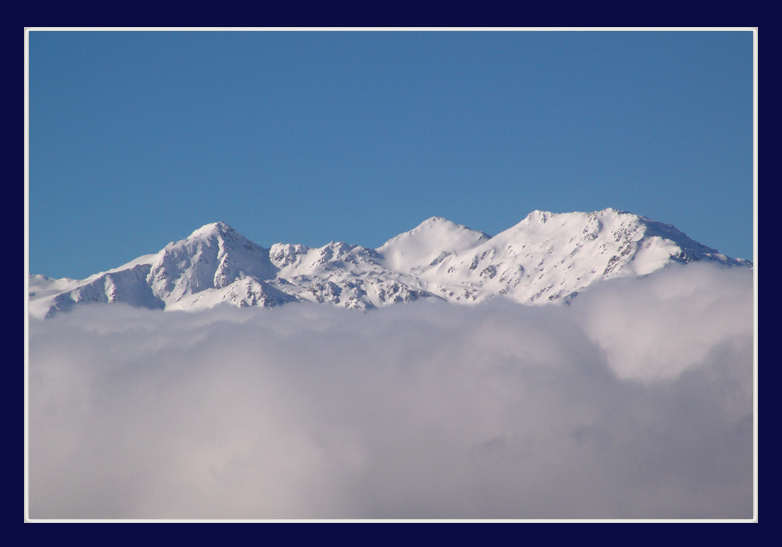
(242, 293)
(544, 258)
(548, 256)
(428, 244)
(210, 266)
(214, 256)
(347, 275)
(43, 290)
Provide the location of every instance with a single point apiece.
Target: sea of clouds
(635, 401)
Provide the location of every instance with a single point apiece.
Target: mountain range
(547, 257)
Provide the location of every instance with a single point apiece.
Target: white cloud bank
(633, 402)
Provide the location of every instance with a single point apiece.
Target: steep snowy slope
(214, 264)
(428, 244)
(548, 256)
(544, 258)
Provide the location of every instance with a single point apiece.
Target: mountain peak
(441, 223)
(539, 216)
(214, 228)
(543, 217)
(437, 220)
(434, 222)
(428, 243)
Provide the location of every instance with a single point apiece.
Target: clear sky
(139, 138)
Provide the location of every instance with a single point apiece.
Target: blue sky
(139, 138)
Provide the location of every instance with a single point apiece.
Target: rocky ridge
(547, 257)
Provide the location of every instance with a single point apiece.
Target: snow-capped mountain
(544, 258)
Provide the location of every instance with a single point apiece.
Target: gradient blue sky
(139, 138)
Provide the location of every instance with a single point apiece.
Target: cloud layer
(633, 402)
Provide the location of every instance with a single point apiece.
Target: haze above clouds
(633, 402)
